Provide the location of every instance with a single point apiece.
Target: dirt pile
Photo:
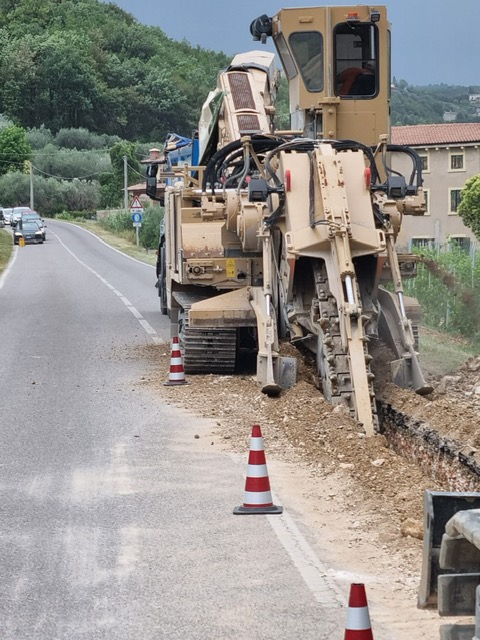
(301, 427)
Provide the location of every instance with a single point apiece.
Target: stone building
(450, 155)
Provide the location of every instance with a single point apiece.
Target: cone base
(171, 383)
(243, 511)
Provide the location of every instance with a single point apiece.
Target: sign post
(136, 209)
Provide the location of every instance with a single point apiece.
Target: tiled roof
(433, 134)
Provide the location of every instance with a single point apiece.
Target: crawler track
(209, 351)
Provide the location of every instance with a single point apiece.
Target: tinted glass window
(356, 60)
(307, 50)
(285, 56)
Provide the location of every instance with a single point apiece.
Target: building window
(422, 242)
(454, 200)
(425, 163)
(462, 242)
(456, 162)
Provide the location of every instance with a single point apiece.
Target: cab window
(356, 60)
(285, 57)
(307, 50)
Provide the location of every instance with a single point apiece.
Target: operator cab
(336, 61)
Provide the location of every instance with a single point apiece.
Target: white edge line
(105, 243)
(145, 325)
(10, 264)
(315, 574)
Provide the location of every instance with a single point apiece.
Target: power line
(52, 175)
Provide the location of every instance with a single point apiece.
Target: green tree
(112, 183)
(39, 137)
(69, 64)
(14, 149)
(70, 163)
(469, 207)
(51, 196)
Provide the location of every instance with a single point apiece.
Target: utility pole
(32, 203)
(125, 182)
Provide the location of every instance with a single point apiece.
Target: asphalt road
(115, 521)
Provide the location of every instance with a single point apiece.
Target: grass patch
(441, 353)
(6, 248)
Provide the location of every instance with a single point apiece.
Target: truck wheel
(162, 282)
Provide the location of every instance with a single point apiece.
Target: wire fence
(447, 285)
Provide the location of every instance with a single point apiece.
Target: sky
(433, 41)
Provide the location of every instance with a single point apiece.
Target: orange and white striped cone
(358, 619)
(257, 496)
(176, 374)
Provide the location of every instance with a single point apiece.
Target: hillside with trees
(82, 63)
(83, 85)
(85, 64)
(427, 105)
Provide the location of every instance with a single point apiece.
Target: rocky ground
(301, 425)
(364, 483)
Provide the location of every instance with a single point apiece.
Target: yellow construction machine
(273, 235)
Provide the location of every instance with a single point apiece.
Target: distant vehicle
(30, 231)
(7, 214)
(17, 214)
(34, 215)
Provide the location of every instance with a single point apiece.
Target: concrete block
(458, 554)
(456, 594)
(457, 631)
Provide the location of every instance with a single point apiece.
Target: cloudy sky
(433, 41)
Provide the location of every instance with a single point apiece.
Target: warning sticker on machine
(231, 270)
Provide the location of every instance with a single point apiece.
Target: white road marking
(125, 255)
(314, 573)
(9, 266)
(141, 320)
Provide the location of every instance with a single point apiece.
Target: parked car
(17, 214)
(7, 214)
(34, 215)
(29, 231)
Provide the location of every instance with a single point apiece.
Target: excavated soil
(349, 484)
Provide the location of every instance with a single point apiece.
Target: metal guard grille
(241, 91)
(248, 123)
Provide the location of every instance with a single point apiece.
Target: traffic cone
(358, 619)
(257, 496)
(176, 374)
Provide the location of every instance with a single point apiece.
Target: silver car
(17, 214)
(7, 214)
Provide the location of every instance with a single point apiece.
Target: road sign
(136, 206)
(137, 224)
(136, 217)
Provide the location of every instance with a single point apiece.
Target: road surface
(115, 520)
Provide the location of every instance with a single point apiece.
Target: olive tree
(469, 207)
(14, 149)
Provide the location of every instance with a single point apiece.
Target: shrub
(150, 230)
